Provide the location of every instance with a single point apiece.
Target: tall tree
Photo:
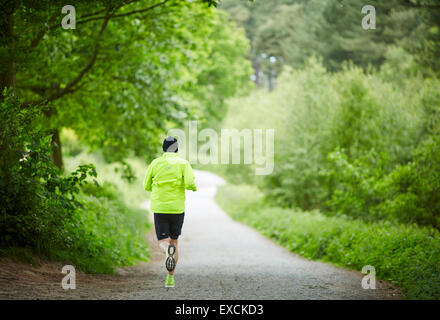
(128, 69)
(427, 48)
(290, 31)
(265, 29)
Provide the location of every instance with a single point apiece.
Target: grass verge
(110, 230)
(106, 231)
(406, 255)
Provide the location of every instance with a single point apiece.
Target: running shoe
(170, 263)
(169, 281)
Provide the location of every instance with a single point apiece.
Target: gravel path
(219, 259)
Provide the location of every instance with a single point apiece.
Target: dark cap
(170, 144)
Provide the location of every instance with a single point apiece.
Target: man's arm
(148, 178)
(188, 178)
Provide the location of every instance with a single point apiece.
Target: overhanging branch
(70, 87)
(40, 35)
(125, 14)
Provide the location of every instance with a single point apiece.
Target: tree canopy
(128, 70)
(289, 32)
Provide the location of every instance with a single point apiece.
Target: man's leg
(175, 231)
(174, 242)
(163, 244)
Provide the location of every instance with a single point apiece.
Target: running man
(167, 177)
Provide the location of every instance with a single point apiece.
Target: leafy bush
(119, 174)
(411, 192)
(106, 233)
(60, 217)
(35, 198)
(404, 254)
(110, 229)
(355, 184)
(350, 110)
(347, 142)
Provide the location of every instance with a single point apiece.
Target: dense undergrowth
(83, 216)
(356, 176)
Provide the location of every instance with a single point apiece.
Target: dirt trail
(219, 259)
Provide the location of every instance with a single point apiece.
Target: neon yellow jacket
(167, 177)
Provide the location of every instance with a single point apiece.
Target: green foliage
(128, 71)
(406, 255)
(292, 31)
(69, 217)
(410, 193)
(426, 48)
(269, 27)
(126, 172)
(71, 145)
(338, 35)
(121, 83)
(227, 73)
(36, 199)
(358, 143)
(131, 191)
(111, 218)
(355, 185)
(106, 233)
(400, 183)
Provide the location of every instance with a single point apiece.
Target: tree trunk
(57, 156)
(271, 79)
(7, 67)
(7, 75)
(256, 67)
(7, 78)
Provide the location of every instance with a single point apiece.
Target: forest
(356, 114)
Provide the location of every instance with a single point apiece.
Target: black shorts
(168, 225)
